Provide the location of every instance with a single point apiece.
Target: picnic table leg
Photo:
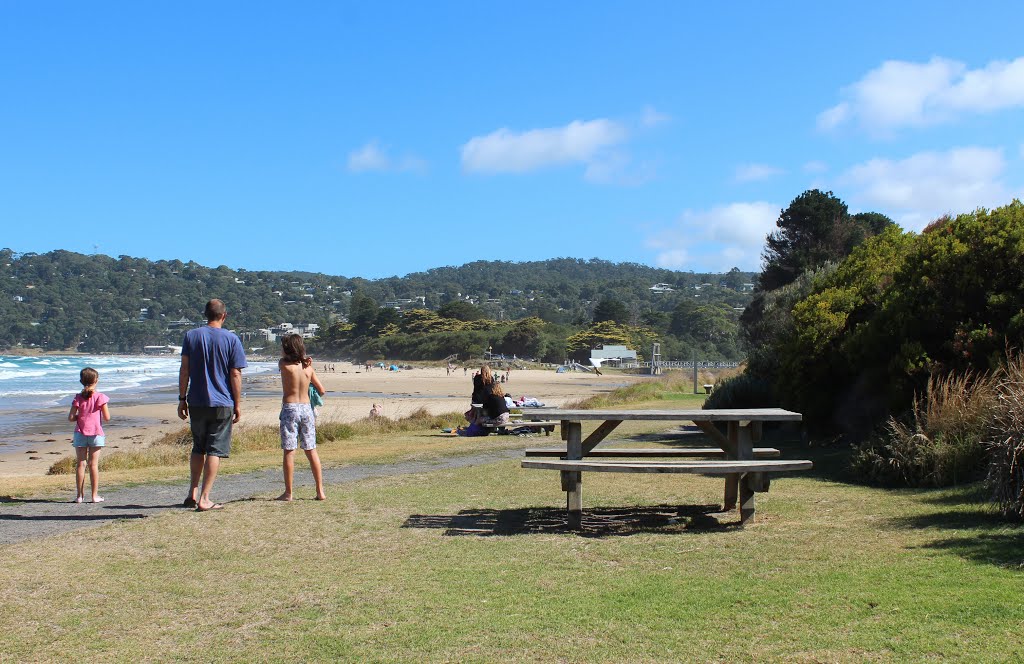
(732, 481)
(573, 480)
(745, 452)
(746, 501)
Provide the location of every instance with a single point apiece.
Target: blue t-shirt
(212, 353)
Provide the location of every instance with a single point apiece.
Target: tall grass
(174, 448)
(1006, 441)
(940, 442)
(650, 390)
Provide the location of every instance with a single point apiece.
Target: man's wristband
(181, 398)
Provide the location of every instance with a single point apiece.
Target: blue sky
(377, 140)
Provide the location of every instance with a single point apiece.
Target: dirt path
(31, 519)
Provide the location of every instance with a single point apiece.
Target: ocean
(33, 388)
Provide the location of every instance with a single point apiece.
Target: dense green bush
(900, 308)
(742, 391)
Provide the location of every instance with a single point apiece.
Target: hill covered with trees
(65, 300)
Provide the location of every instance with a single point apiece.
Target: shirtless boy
(297, 421)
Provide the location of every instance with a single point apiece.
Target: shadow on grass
(597, 522)
(985, 536)
(145, 507)
(12, 499)
(1004, 549)
(69, 517)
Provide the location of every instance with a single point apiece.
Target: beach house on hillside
(307, 330)
(661, 288)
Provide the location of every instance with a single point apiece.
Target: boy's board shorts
(81, 440)
(297, 423)
(211, 430)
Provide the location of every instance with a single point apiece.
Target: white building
(613, 355)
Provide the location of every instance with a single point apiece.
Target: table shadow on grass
(597, 522)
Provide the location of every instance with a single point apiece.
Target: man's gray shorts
(211, 430)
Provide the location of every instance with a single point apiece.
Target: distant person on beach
(210, 397)
(87, 408)
(298, 423)
(376, 411)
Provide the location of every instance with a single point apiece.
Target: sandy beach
(351, 392)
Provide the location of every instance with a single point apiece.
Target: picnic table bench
(677, 452)
(746, 469)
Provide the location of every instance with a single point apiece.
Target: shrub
(940, 442)
(742, 391)
(1006, 442)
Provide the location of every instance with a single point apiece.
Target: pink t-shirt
(90, 412)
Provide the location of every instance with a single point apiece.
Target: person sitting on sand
(376, 411)
(297, 420)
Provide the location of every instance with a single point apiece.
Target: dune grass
(670, 387)
(472, 565)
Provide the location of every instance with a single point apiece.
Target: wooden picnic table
(744, 475)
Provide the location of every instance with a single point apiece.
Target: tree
(524, 338)
(460, 310)
(609, 309)
(362, 314)
(814, 229)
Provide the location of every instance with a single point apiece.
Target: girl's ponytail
(88, 378)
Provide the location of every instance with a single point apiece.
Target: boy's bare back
(295, 380)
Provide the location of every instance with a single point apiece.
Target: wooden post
(573, 482)
(731, 481)
(745, 452)
(746, 501)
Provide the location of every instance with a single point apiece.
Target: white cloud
(373, 158)
(815, 167)
(754, 172)
(368, 158)
(717, 239)
(506, 151)
(909, 94)
(924, 186)
(651, 117)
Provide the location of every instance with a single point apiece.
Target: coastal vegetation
(905, 344)
(67, 301)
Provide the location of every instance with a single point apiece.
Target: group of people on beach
(210, 398)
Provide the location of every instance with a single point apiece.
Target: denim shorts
(211, 430)
(81, 440)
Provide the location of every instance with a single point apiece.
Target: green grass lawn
(474, 565)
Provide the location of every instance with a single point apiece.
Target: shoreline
(350, 395)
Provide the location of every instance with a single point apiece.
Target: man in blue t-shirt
(210, 395)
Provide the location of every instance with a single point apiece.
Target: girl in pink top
(87, 408)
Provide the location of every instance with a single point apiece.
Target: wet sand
(351, 392)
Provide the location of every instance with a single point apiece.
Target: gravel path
(30, 519)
